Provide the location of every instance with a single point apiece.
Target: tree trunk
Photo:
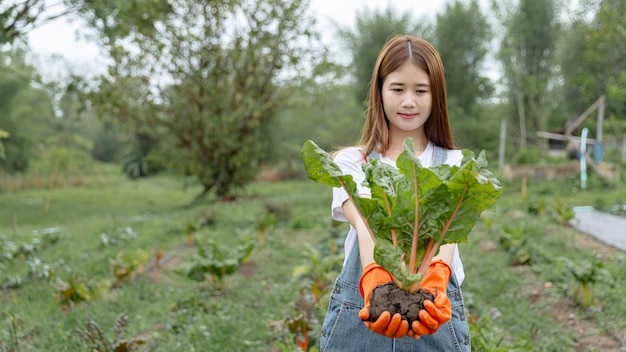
(199, 197)
(522, 119)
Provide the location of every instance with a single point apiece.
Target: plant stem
(431, 250)
(394, 236)
(413, 256)
(428, 256)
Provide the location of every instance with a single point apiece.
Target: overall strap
(440, 155)
(372, 155)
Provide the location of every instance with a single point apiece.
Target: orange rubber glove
(386, 325)
(439, 311)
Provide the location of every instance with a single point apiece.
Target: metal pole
(502, 146)
(600, 119)
(583, 158)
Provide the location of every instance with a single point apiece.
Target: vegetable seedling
(412, 210)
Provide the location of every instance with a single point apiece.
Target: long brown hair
(396, 52)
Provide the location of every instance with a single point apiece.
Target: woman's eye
(396, 89)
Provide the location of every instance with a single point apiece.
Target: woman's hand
(439, 311)
(386, 325)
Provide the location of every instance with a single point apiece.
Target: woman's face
(407, 98)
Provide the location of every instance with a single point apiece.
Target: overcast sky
(60, 38)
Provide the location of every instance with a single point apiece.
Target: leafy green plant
(514, 241)
(125, 265)
(538, 208)
(117, 236)
(299, 325)
(412, 210)
(563, 213)
(94, 338)
(264, 223)
(14, 250)
(76, 290)
(201, 219)
(489, 337)
(318, 274)
(586, 273)
(12, 282)
(298, 328)
(40, 270)
(218, 261)
(488, 219)
(190, 229)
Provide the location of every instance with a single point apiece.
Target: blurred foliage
(529, 64)
(3, 134)
(464, 53)
(592, 57)
(17, 17)
(217, 100)
(330, 106)
(26, 113)
(205, 85)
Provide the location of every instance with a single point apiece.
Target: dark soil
(389, 297)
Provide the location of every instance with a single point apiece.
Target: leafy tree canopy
(26, 112)
(592, 57)
(527, 54)
(464, 52)
(203, 78)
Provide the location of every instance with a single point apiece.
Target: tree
(26, 113)
(462, 35)
(203, 78)
(18, 17)
(592, 59)
(330, 105)
(527, 54)
(3, 134)
(373, 29)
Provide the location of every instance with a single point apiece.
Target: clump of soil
(389, 297)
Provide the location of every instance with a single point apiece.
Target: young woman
(407, 98)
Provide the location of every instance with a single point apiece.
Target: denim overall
(343, 330)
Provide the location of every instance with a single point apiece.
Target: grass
(174, 313)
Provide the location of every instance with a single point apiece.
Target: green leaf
(321, 168)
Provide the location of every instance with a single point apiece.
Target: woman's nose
(408, 100)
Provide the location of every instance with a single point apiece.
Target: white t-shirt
(350, 160)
